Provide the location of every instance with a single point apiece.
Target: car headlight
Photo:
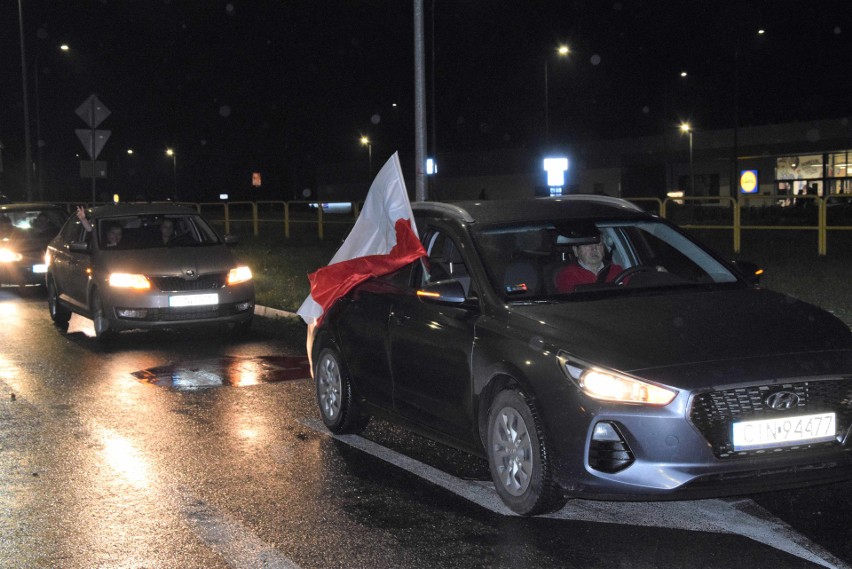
(239, 275)
(9, 256)
(127, 280)
(607, 385)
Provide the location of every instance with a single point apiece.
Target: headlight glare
(606, 385)
(613, 387)
(9, 256)
(127, 280)
(239, 275)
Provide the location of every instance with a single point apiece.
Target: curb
(267, 312)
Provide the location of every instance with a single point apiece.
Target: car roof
(30, 206)
(124, 209)
(488, 212)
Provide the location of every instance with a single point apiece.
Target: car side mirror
(448, 291)
(750, 271)
(232, 239)
(78, 247)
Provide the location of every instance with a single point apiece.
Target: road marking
(233, 541)
(727, 516)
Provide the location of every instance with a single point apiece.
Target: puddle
(226, 371)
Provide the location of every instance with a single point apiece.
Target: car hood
(697, 338)
(171, 261)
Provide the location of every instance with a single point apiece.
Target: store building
(780, 162)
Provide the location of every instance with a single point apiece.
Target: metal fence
(749, 213)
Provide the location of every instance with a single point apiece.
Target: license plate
(194, 300)
(784, 431)
(42, 268)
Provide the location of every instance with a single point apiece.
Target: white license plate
(194, 300)
(42, 268)
(784, 431)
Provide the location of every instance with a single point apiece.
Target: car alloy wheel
(518, 456)
(338, 408)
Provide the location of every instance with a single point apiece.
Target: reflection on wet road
(226, 371)
(175, 451)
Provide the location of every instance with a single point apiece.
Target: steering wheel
(627, 273)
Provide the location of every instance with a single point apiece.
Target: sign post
(93, 112)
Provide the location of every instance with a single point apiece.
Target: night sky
(281, 87)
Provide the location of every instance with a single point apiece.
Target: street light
(170, 152)
(561, 51)
(685, 127)
(366, 142)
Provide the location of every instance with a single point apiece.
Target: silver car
(146, 266)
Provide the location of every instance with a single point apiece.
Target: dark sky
(281, 86)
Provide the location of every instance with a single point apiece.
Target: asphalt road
(183, 450)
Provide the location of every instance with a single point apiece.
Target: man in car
(591, 267)
(167, 230)
(113, 235)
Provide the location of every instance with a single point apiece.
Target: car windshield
(154, 231)
(30, 223)
(565, 259)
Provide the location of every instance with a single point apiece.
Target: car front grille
(203, 282)
(183, 313)
(714, 412)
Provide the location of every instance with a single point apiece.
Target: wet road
(198, 450)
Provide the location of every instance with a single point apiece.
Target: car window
(74, 232)
(531, 261)
(150, 231)
(32, 222)
(445, 262)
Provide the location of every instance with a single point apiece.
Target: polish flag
(383, 239)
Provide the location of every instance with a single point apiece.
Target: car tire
(338, 408)
(519, 457)
(58, 313)
(103, 327)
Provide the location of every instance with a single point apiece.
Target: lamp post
(685, 127)
(27, 143)
(561, 51)
(366, 142)
(170, 152)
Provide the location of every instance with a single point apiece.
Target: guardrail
(804, 213)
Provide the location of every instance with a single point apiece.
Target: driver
(591, 266)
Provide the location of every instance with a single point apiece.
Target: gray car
(146, 266)
(670, 374)
(25, 231)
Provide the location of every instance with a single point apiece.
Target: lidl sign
(748, 182)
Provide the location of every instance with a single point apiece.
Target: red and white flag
(383, 239)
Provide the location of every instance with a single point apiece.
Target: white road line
(737, 517)
(234, 542)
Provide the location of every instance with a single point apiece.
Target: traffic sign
(93, 111)
(93, 140)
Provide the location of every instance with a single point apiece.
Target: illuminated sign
(431, 167)
(555, 168)
(748, 182)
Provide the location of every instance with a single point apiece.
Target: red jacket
(568, 278)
